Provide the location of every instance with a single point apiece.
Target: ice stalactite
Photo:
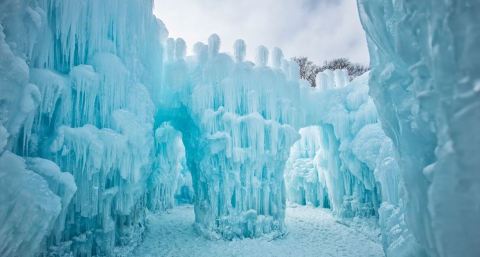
(92, 91)
(75, 89)
(245, 125)
(169, 176)
(340, 115)
(347, 163)
(30, 206)
(102, 117)
(304, 175)
(428, 99)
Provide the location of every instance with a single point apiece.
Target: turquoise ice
(104, 118)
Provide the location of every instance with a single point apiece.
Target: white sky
(319, 29)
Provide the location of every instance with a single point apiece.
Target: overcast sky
(319, 29)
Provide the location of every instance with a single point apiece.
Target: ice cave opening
(114, 141)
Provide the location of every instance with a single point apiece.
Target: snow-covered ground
(312, 232)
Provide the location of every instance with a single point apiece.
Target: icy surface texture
(428, 97)
(346, 162)
(29, 208)
(103, 117)
(304, 171)
(170, 179)
(343, 115)
(238, 122)
(76, 78)
(34, 194)
(86, 91)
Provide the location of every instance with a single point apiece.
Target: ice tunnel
(104, 118)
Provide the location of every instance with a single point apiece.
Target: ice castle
(103, 117)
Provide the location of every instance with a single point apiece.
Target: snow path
(312, 232)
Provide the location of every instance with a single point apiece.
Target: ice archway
(101, 115)
(239, 121)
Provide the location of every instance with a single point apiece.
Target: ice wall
(304, 170)
(31, 200)
(86, 91)
(341, 115)
(107, 117)
(347, 163)
(170, 175)
(425, 81)
(238, 121)
(29, 207)
(77, 80)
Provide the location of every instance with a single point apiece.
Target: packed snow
(312, 232)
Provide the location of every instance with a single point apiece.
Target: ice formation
(237, 123)
(170, 181)
(103, 117)
(346, 162)
(304, 177)
(109, 120)
(429, 98)
(76, 124)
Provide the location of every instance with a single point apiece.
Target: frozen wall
(86, 91)
(425, 81)
(170, 180)
(76, 78)
(34, 198)
(342, 113)
(238, 123)
(103, 117)
(347, 163)
(304, 171)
